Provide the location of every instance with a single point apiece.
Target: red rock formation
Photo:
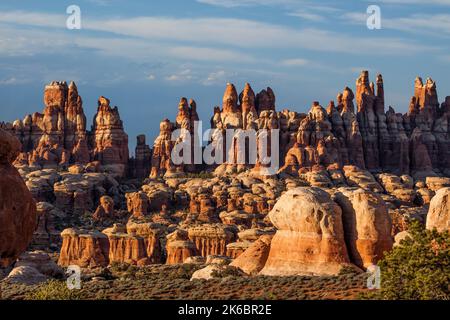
(162, 148)
(127, 248)
(105, 209)
(138, 203)
(137, 244)
(253, 260)
(309, 237)
(46, 233)
(110, 142)
(84, 249)
(79, 193)
(58, 136)
(235, 249)
(247, 101)
(265, 101)
(151, 234)
(211, 239)
(17, 207)
(143, 156)
(370, 139)
(179, 247)
(367, 226)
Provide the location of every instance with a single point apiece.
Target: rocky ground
(149, 254)
(173, 282)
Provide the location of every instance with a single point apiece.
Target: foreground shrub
(417, 269)
(54, 290)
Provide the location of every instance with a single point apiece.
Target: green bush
(54, 290)
(417, 269)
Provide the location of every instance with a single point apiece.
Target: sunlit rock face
(357, 129)
(110, 142)
(310, 235)
(58, 137)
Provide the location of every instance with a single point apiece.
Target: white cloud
(421, 2)
(432, 24)
(246, 3)
(215, 78)
(34, 19)
(250, 34)
(182, 76)
(151, 77)
(212, 39)
(305, 15)
(208, 54)
(12, 81)
(299, 62)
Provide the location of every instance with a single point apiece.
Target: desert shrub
(54, 290)
(185, 271)
(201, 175)
(228, 271)
(417, 269)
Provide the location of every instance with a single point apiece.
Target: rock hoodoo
(309, 237)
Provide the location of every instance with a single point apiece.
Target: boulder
(367, 225)
(18, 218)
(26, 275)
(254, 258)
(309, 237)
(439, 213)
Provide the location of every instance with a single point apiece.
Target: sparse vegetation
(54, 290)
(173, 282)
(417, 269)
(201, 175)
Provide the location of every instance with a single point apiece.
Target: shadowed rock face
(18, 216)
(142, 163)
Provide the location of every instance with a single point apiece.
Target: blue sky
(145, 55)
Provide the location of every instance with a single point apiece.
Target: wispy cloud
(13, 81)
(431, 24)
(247, 3)
(216, 77)
(182, 75)
(303, 14)
(418, 2)
(249, 34)
(298, 62)
(209, 54)
(223, 32)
